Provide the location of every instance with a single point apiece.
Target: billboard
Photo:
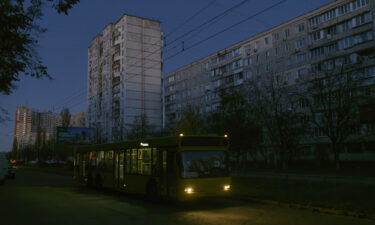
(75, 135)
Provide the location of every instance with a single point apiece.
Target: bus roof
(188, 140)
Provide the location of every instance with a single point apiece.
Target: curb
(329, 211)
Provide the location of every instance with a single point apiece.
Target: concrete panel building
(124, 77)
(290, 52)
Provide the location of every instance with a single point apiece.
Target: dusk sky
(63, 47)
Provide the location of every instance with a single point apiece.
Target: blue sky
(63, 47)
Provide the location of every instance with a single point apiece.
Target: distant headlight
(189, 190)
(226, 187)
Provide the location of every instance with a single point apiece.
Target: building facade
(124, 77)
(341, 31)
(78, 120)
(25, 126)
(29, 124)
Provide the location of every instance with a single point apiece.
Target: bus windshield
(197, 164)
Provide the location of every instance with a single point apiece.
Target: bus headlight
(226, 187)
(189, 190)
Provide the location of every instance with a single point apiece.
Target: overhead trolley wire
(226, 29)
(220, 15)
(191, 18)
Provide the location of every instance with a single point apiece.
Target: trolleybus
(180, 168)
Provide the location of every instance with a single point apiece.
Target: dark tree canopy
(18, 39)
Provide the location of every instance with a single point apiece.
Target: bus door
(162, 171)
(171, 172)
(116, 170)
(167, 175)
(121, 168)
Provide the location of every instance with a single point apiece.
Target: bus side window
(134, 160)
(93, 159)
(155, 168)
(144, 161)
(78, 159)
(128, 163)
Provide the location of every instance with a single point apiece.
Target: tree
(191, 122)
(233, 117)
(276, 110)
(4, 115)
(18, 35)
(335, 98)
(65, 117)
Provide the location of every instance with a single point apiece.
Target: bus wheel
(152, 192)
(89, 181)
(98, 182)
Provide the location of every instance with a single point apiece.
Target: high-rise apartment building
(28, 122)
(78, 120)
(47, 122)
(341, 30)
(124, 77)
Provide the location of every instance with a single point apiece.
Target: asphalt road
(35, 198)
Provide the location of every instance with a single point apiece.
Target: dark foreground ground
(46, 198)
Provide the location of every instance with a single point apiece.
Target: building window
(301, 57)
(300, 43)
(302, 73)
(247, 49)
(287, 47)
(247, 61)
(171, 79)
(289, 61)
(248, 74)
(276, 36)
(266, 41)
(288, 76)
(287, 33)
(256, 44)
(301, 27)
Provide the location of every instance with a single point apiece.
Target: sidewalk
(341, 195)
(307, 177)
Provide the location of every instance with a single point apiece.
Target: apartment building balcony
(116, 56)
(117, 40)
(361, 47)
(116, 80)
(334, 38)
(116, 73)
(116, 37)
(338, 19)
